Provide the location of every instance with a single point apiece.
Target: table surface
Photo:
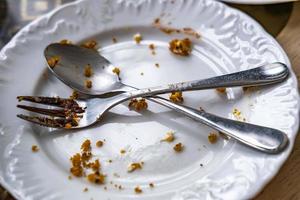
(281, 20)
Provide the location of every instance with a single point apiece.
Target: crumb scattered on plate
(99, 143)
(134, 166)
(91, 44)
(88, 70)
(178, 147)
(142, 73)
(74, 95)
(122, 151)
(53, 61)
(152, 48)
(212, 138)
(35, 148)
(65, 41)
(85, 189)
(137, 38)
(114, 39)
(181, 47)
(138, 190)
(151, 185)
(138, 104)
(176, 97)
(169, 137)
(157, 65)
(221, 90)
(88, 83)
(117, 71)
(238, 115)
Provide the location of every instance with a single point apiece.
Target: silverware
(102, 99)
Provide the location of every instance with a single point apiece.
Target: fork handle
(265, 139)
(264, 75)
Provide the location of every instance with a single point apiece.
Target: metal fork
(81, 113)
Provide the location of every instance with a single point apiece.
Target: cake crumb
(212, 138)
(65, 41)
(181, 47)
(88, 71)
(138, 104)
(35, 148)
(157, 65)
(70, 177)
(134, 166)
(99, 143)
(169, 137)
(53, 61)
(90, 44)
(74, 95)
(178, 147)
(176, 97)
(137, 38)
(110, 161)
(85, 189)
(88, 83)
(117, 71)
(68, 125)
(122, 151)
(221, 90)
(151, 185)
(96, 178)
(138, 190)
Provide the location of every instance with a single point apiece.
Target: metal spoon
(73, 59)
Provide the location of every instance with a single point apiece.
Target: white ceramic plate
(257, 2)
(231, 41)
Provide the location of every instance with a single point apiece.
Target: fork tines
(66, 117)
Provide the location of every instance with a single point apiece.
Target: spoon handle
(264, 75)
(265, 139)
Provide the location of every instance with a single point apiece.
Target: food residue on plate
(99, 143)
(151, 185)
(212, 137)
(221, 90)
(152, 48)
(169, 137)
(117, 71)
(176, 97)
(181, 47)
(88, 83)
(138, 190)
(178, 147)
(90, 44)
(74, 95)
(137, 38)
(138, 104)
(157, 65)
(35, 148)
(88, 70)
(122, 151)
(134, 166)
(85, 189)
(238, 115)
(65, 41)
(53, 61)
(114, 39)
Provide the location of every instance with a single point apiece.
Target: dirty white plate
(257, 2)
(230, 41)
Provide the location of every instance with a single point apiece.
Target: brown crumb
(221, 90)
(176, 97)
(116, 70)
(86, 146)
(212, 138)
(122, 151)
(134, 166)
(35, 148)
(137, 38)
(88, 71)
(151, 185)
(53, 61)
(85, 189)
(110, 161)
(138, 104)
(96, 178)
(91, 44)
(76, 168)
(169, 137)
(151, 46)
(68, 125)
(65, 41)
(70, 177)
(114, 40)
(157, 65)
(120, 187)
(138, 190)
(88, 83)
(105, 188)
(99, 143)
(181, 47)
(178, 147)
(74, 95)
